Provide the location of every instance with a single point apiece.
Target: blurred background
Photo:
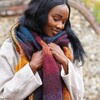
(85, 21)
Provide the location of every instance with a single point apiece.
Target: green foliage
(97, 12)
(94, 5)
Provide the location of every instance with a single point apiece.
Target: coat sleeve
(15, 86)
(74, 81)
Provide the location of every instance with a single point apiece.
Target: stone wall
(12, 7)
(91, 43)
(7, 3)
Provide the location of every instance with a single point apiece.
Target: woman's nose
(60, 25)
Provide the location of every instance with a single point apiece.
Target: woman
(35, 62)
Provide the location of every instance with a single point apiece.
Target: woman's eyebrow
(61, 16)
(58, 15)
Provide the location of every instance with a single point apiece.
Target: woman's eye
(56, 19)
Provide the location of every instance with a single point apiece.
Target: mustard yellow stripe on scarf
(22, 60)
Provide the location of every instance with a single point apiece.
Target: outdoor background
(88, 34)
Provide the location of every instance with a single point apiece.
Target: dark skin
(56, 22)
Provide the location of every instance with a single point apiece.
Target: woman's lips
(55, 31)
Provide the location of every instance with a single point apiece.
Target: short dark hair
(36, 16)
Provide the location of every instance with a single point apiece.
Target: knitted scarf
(27, 43)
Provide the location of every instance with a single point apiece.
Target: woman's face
(56, 20)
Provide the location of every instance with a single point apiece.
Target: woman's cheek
(51, 22)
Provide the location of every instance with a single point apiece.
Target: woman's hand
(59, 55)
(36, 61)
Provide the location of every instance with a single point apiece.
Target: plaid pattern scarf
(28, 43)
